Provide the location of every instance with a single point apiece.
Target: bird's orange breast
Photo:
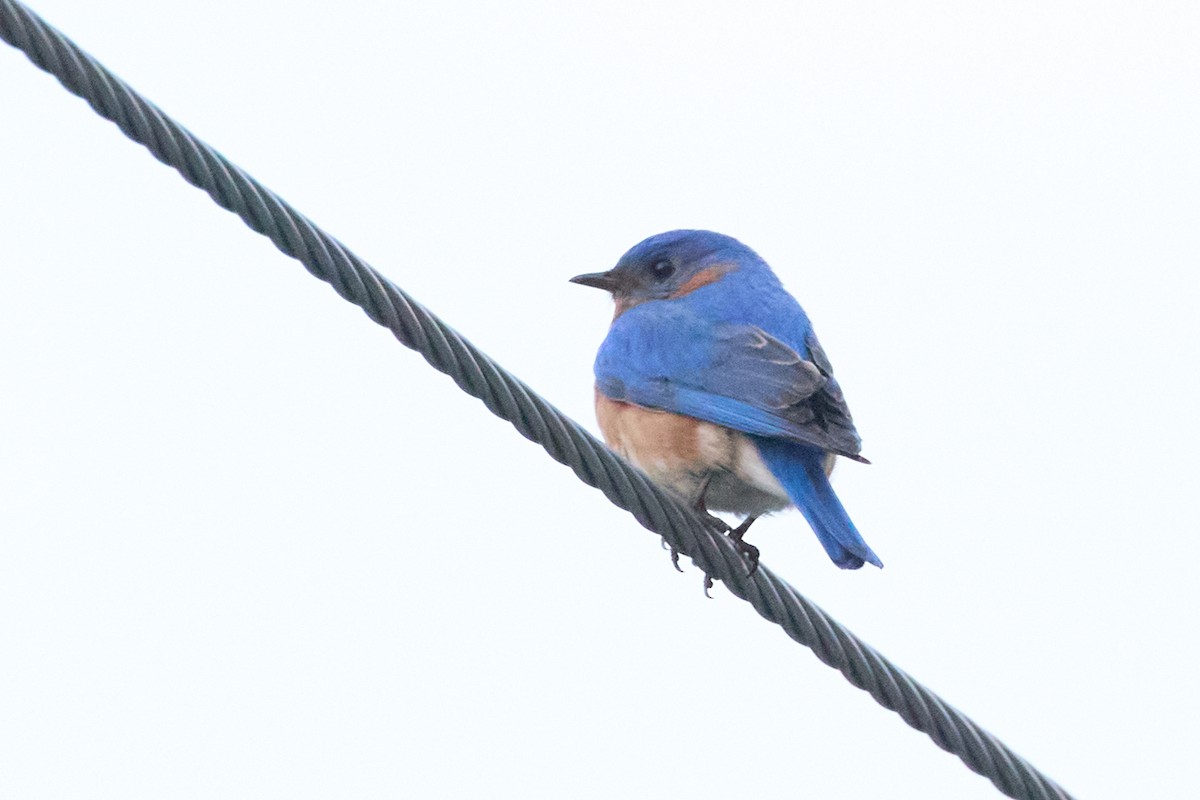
(648, 437)
(686, 454)
(675, 451)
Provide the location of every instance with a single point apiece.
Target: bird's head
(671, 265)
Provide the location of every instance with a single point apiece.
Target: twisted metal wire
(509, 398)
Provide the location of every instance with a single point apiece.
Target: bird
(712, 382)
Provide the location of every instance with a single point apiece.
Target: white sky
(250, 547)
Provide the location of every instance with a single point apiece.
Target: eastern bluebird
(712, 381)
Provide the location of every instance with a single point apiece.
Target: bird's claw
(718, 525)
(748, 552)
(674, 554)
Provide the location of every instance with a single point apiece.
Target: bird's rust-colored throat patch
(703, 278)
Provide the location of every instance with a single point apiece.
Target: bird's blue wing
(661, 355)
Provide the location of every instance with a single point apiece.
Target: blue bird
(712, 382)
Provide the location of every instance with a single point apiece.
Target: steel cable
(509, 398)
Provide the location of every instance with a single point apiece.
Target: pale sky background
(251, 547)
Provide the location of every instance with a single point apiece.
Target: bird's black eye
(662, 269)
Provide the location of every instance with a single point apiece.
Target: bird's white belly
(743, 484)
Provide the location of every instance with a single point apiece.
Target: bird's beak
(598, 280)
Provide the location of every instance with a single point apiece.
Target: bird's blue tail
(801, 470)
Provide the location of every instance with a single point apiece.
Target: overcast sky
(252, 547)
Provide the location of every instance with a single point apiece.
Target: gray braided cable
(509, 398)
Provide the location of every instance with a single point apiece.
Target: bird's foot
(714, 523)
(744, 548)
(699, 503)
(674, 554)
(748, 551)
(718, 526)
